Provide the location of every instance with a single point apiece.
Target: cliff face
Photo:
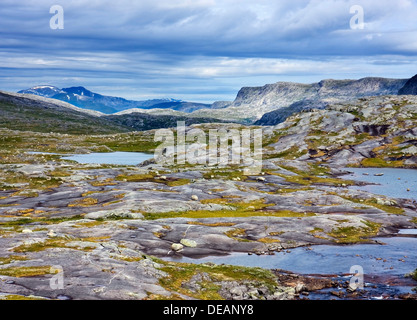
(280, 115)
(258, 102)
(410, 87)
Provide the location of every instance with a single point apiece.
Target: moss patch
(352, 234)
(393, 209)
(180, 273)
(381, 163)
(216, 224)
(85, 202)
(237, 234)
(51, 244)
(19, 272)
(237, 209)
(10, 259)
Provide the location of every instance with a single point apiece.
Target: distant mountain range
(266, 105)
(39, 114)
(86, 99)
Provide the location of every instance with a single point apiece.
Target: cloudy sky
(202, 50)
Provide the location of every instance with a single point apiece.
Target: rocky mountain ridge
(252, 103)
(265, 105)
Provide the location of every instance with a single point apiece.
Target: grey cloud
(183, 46)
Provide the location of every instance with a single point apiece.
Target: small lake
(116, 158)
(397, 256)
(383, 265)
(393, 183)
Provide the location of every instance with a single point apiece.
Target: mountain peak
(410, 87)
(80, 91)
(81, 97)
(46, 91)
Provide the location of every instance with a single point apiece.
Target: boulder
(188, 243)
(177, 246)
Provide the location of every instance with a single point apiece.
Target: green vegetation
(152, 177)
(216, 224)
(84, 202)
(292, 153)
(236, 209)
(355, 234)
(19, 272)
(310, 177)
(389, 208)
(237, 234)
(10, 259)
(226, 174)
(58, 242)
(381, 163)
(414, 275)
(16, 297)
(180, 273)
(37, 220)
(44, 117)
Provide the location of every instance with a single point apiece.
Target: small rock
(163, 178)
(188, 243)
(262, 179)
(194, 197)
(351, 288)
(236, 291)
(51, 234)
(300, 287)
(253, 293)
(337, 293)
(177, 246)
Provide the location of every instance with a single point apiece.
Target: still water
(117, 158)
(395, 183)
(396, 256)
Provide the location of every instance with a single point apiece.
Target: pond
(116, 158)
(396, 256)
(391, 182)
(384, 265)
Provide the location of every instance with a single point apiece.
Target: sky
(202, 50)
